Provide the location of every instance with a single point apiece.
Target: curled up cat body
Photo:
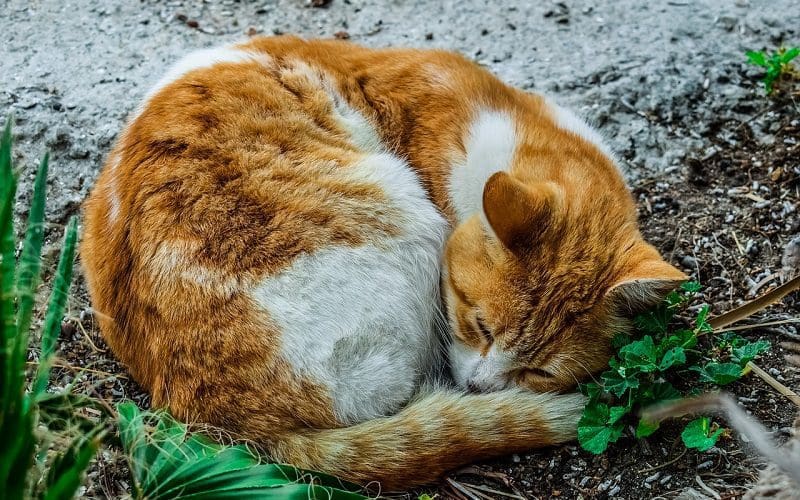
(286, 229)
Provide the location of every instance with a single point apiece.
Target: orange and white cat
(286, 228)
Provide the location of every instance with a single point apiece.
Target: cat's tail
(433, 435)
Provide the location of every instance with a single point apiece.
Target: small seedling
(778, 64)
(647, 368)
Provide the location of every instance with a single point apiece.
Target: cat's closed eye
(538, 372)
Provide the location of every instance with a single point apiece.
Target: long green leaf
(168, 462)
(31, 259)
(8, 331)
(16, 419)
(18, 452)
(55, 310)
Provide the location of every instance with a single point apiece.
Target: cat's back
(245, 194)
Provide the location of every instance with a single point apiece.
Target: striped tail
(433, 435)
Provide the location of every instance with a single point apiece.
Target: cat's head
(536, 287)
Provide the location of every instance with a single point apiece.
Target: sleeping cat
(285, 227)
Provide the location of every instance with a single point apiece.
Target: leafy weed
(647, 367)
(777, 65)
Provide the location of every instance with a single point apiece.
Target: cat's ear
(646, 281)
(517, 213)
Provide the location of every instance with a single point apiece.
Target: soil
(729, 218)
(713, 164)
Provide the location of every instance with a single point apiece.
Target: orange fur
(231, 173)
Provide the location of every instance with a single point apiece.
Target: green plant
(19, 407)
(777, 64)
(649, 368)
(167, 461)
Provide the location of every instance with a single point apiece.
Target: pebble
(654, 477)
(689, 262)
(614, 491)
(705, 465)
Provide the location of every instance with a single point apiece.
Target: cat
(286, 228)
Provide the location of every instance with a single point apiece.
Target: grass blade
(55, 309)
(31, 259)
(8, 331)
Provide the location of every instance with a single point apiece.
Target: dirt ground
(713, 163)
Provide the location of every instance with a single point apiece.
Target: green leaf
(661, 391)
(17, 418)
(698, 435)
(673, 357)
(701, 323)
(615, 413)
(748, 352)
(790, 54)
(646, 428)
(166, 461)
(674, 299)
(30, 260)
(654, 322)
(592, 390)
(691, 287)
(55, 310)
(683, 338)
(718, 373)
(640, 354)
(620, 340)
(11, 374)
(757, 57)
(617, 381)
(594, 430)
(730, 339)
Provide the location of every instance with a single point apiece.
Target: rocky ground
(713, 163)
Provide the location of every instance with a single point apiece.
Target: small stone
(654, 477)
(790, 262)
(341, 35)
(705, 465)
(67, 329)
